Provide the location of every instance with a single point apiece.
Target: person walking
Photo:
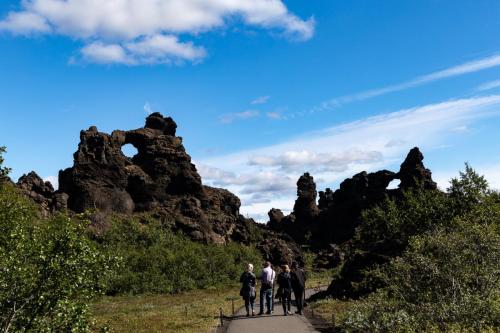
(285, 289)
(248, 281)
(266, 289)
(298, 286)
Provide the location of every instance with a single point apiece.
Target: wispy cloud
(338, 152)
(319, 162)
(275, 115)
(137, 32)
(228, 118)
(260, 100)
(488, 85)
(465, 68)
(147, 108)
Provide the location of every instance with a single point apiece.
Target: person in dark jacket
(285, 289)
(298, 285)
(247, 291)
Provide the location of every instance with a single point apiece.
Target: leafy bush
(157, 260)
(48, 269)
(4, 171)
(448, 277)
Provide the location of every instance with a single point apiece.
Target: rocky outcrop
(331, 256)
(103, 178)
(275, 218)
(329, 228)
(342, 209)
(42, 192)
(413, 173)
(305, 207)
(338, 213)
(159, 179)
(280, 250)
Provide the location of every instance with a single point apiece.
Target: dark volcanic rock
(159, 178)
(305, 207)
(104, 178)
(413, 173)
(280, 251)
(338, 213)
(275, 218)
(41, 192)
(325, 199)
(330, 257)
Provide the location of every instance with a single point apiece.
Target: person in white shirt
(266, 289)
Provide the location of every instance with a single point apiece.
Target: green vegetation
(439, 268)
(49, 269)
(190, 312)
(157, 260)
(317, 277)
(52, 269)
(4, 171)
(446, 276)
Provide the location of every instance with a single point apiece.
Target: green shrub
(4, 171)
(49, 269)
(444, 279)
(157, 260)
(448, 276)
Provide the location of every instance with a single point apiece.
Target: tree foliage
(49, 269)
(4, 171)
(158, 260)
(448, 275)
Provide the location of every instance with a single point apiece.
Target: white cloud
(275, 115)
(466, 68)
(338, 152)
(147, 108)
(157, 49)
(106, 54)
(164, 49)
(489, 85)
(147, 30)
(316, 162)
(231, 117)
(260, 100)
(25, 23)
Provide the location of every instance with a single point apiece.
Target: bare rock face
(280, 251)
(342, 210)
(103, 177)
(275, 218)
(41, 192)
(338, 213)
(325, 199)
(305, 207)
(330, 257)
(159, 178)
(413, 173)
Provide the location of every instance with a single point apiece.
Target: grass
(190, 312)
(328, 307)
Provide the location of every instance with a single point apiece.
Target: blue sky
(261, 90)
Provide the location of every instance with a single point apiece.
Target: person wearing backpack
(266, 289)
(247, 291)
